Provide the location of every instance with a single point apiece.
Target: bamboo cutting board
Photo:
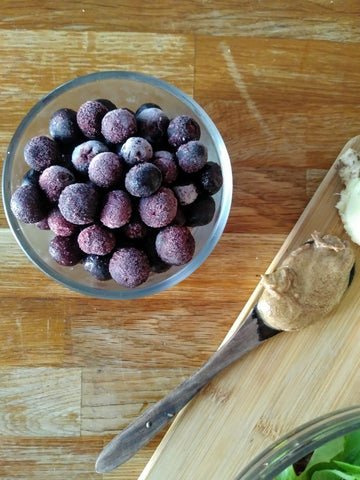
(291, 379)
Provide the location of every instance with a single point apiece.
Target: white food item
(349, 203)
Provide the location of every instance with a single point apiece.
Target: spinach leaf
(338, 459)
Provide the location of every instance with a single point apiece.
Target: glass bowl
(130, 90)
(301, 442)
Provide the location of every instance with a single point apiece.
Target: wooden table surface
(281, 80)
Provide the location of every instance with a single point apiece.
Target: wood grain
(281, 82)
(318, 19)
(33, 402)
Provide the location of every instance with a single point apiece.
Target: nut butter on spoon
(308, 285)
(304, 288)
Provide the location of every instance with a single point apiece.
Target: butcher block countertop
(281, 80)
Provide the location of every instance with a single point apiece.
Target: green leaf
(338, 459)
(348, 468)
(287, 474)
(332, 475)
(352, 448)
(327, 452)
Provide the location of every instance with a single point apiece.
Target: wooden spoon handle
(130, 440)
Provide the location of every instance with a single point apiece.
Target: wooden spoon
(252, 332)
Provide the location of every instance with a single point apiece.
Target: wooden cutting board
(291, 379)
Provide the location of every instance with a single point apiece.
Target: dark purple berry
(43, 224)
(107, 103)
(31, 177)
(143, 179)
(28, 204)
(63, 127)
(200, 212)
(98, 266)
(156, 264)
(136, 150)
(159, 209)
(89, 117)
(65, 251)
(105, 169)
(129, 267)
(65, 160)
(165, 161)
(210, 178)
(53, 180)
(144, 106)
(41, 152)
(59, 225)
(152, 125)
(175, 245)
(192, 156)
(118, 125)
(96, 240)
(78, 203)
(182, 129)
(117, 209)
(85, 152)
(186, 194)
(135, 229)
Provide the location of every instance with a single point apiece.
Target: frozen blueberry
(152, 125)
(59, 225)
(96, 240)
(28, 204)
(41, 152)
(65, 160)
(65, 250)
(78, 203)
(182, 129)
(89, 117)
(175, 245)
(143, 179)
(159, 209)
(105, 169)
(144, 106)
(129, 267)
(118, 125)
(136, 150)
(200, 212)
(107, 103)
(43, 224)
(117, 209)
(63, 127)
(165, 161)
(210, 178)
(98, 266)
(135, 229)
(31, 177)
(156, 264)
(186, 193)
(192, 156)
(53, 180)
(85, 152)
(180, 218)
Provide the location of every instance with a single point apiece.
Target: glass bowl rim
(181, 273)
(301, 441)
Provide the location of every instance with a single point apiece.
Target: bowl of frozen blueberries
(117, 185)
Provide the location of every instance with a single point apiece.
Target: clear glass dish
(125, 89)
(300, 442)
